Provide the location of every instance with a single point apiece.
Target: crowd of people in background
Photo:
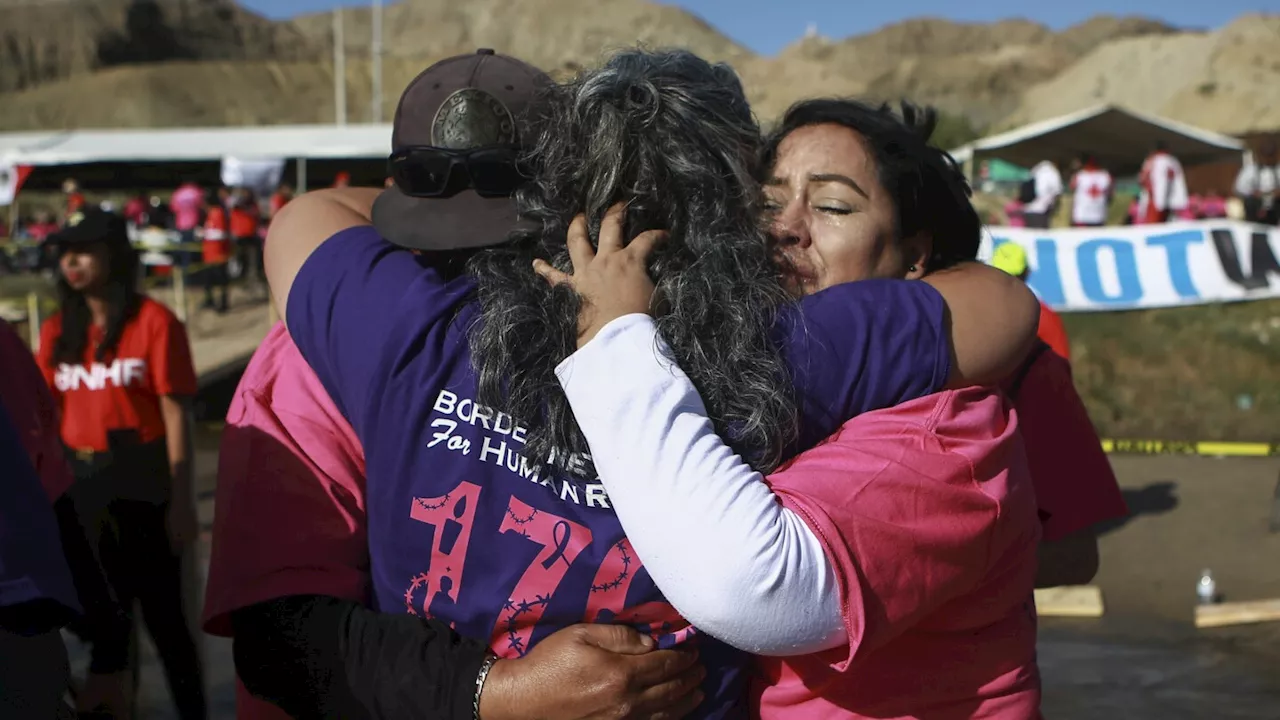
(333, 609)
(1162, 193)
(218, 232)
(342, 527)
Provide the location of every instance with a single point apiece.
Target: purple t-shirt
(32, 566)
(463, 527)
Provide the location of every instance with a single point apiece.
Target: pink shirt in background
(185, 204)
(1213, 206)
(1192, 210)
(290, 497)
(928, 515)
(1013, 211)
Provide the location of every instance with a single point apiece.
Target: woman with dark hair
(449, 380)
(120, 368)
(1075, 486)
(886, 572)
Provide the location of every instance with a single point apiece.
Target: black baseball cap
(91, 225)
(460, 103)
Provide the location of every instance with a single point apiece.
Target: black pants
(215, 276)
(249, 250)
(33, 676)
(1039, 221)
(129, 530)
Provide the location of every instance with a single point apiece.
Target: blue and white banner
(1147, 266)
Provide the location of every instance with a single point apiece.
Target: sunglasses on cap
(432, 172)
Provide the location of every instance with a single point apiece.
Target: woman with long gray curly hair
(449, 380)
(673, 136)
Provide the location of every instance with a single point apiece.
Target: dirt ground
(1190, 514)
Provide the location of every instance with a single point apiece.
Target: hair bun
(922, 120)
(641, 100)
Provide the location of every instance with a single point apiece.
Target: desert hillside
(1228, 80)
(150, 63)
(43, 41)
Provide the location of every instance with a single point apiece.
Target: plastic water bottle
(1206, 588)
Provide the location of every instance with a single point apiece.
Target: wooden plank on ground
(1081, 601)
(1237, 613)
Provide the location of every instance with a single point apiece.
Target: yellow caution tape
(1191, 447)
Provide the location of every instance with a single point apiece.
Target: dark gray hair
(673, 135)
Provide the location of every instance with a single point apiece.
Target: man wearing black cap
(304, 640)
(458, 114)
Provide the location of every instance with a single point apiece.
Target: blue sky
(767, 25)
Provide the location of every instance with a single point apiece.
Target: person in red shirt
(1012, 258)
(75, 198)
(119, 365)
(216, 253)
(244, 221)
(1076, 489)
(1075, 485)
(135, 208)
(280, 198)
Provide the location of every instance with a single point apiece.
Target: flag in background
(11, 179)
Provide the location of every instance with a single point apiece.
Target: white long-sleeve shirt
(1163, 183)
(760, 580)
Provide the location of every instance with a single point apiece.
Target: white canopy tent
(143, 147)
(75, 147)
(1119, 138)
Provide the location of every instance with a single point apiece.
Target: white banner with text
(1147, 266)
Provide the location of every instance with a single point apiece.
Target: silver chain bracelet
(483, 675)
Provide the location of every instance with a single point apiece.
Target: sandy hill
(70, 63)
(1228, 80)
(974, 70)
(547, 33)
(49, 40)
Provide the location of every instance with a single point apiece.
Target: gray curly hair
(672, 135)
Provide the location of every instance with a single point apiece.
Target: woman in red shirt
(215, 253)
(243, 223)
(120, 368)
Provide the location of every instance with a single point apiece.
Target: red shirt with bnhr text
(122, 391)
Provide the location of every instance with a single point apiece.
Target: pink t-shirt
(287, 454)
(1213, 206)
(185, 204)
(934, 544)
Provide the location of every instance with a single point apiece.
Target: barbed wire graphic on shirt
(513, 626)
(623, 574)
(533, 513)
(423, 580)
(419, 581)
(422, 502)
